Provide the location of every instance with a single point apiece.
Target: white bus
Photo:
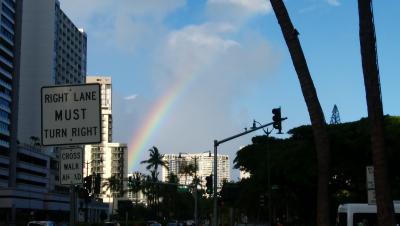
(361, 214)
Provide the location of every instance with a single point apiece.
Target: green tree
(135, 185)
(318, 123)
(115, 186)
(155, 160)
(294, 168)
(188, 169)
(153, 163)
(375, 113)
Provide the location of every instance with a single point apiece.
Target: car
(172, 223)
(153, 223)
(41, 223)
(111, 224)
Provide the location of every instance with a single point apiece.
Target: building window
(7, 22)
(7, 11)
(7, 34)
(11, 3)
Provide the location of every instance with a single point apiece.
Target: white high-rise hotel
(107, 159)
(204, 162)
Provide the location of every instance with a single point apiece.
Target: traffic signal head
(209, 184)
(277, 119)
(87, 183)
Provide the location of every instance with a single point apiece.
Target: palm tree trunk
(375, 113)
(321, 137)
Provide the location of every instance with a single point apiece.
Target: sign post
(71, 173)
(71, 166)
(71, 115)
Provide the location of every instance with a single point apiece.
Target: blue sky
(236, 55)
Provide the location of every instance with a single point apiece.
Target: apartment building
(204, 163)
(109, 159)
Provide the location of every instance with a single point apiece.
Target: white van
(361, 214)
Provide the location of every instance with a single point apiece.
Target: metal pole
(72, 206)
(195, 191)
(215, 215)
(87, 168)
(269, 183)
(126, 218)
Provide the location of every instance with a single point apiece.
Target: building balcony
(5, 73)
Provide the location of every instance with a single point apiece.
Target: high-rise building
(10, 37)
(53, 51)
(39, 46)
(204, 163)
(106, 105)
(107, 159)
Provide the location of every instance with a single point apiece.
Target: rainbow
(140, 140)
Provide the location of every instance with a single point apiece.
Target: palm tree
(375, 113)
(170, 194)
(155, 160)
(321, 137)
(114, 185)
(135, 185)
(148, 189)
(173, 178)
(188, 169)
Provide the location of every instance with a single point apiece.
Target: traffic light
(87, 183)
(277, 119)
(97, 183)
(209, 184)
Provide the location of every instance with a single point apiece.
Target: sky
(188, 72)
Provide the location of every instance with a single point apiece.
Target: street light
(216, 144)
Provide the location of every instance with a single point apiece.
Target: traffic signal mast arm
(218, 142)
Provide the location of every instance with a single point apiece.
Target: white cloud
(333, 2)
(131, 97)
(236, 11)
(126, 24)
(252, 6)
(82, 11)
(221, 68)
